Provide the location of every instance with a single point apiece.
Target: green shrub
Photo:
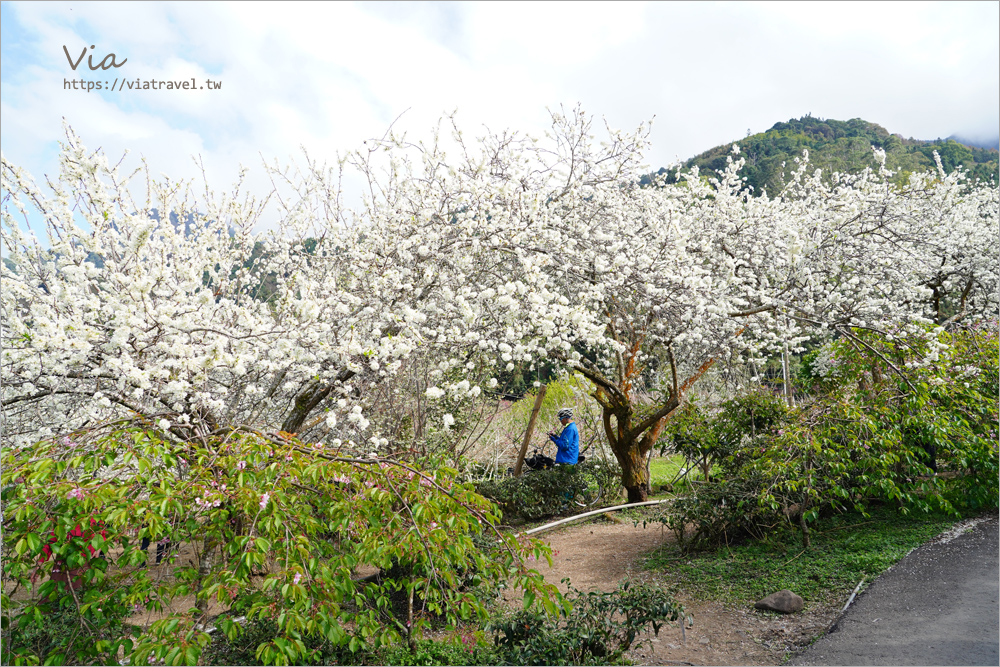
(279, 528)
(244, 644)
(908, 420)
(541, 493)
(588, 629)
(689, 433)
(466, 652)
(62, 634)
(591, 628)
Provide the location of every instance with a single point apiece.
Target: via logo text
(107, 63)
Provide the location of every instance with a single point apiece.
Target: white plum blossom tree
(171, 307)
(482, 254)
(682, 276)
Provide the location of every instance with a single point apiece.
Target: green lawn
(845, 549)
(662, 470)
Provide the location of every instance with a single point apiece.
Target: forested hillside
(836, 145)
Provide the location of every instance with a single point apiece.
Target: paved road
(938, 606)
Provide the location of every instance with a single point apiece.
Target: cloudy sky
(327, 76)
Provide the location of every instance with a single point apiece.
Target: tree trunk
(632, 444)
(637, 494)
(805, 529)
(632, 460)
(649, 476)
(205, 564)
(411, 640)
(632, 439)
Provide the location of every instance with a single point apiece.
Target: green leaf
(550, 606)
(55, 659)
(34, 541)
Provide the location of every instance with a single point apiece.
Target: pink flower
(76, 493)
(241, 465)
(298, 578)
(263, 500)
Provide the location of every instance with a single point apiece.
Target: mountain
(837, 145)
(993, 143)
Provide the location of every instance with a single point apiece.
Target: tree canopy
(486, 253)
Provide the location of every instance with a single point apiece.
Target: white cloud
(327, 76)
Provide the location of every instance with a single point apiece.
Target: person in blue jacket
(567, 442)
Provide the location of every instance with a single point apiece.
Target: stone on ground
(785, 602)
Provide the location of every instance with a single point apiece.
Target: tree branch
(898, 372)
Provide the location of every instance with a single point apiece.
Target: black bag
(539, 461)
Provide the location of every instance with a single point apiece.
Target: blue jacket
(568, 444)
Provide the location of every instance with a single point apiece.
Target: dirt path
(597, 556)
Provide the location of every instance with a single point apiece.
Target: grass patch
(663, 470)
(845, 549)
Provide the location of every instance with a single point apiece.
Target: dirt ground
(597, 556)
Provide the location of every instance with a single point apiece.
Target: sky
(325, 77)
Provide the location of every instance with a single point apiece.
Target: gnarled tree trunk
(633, 463)
(630, 439)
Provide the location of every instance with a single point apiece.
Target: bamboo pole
(786, 376)
(531, 429)
(556, 524)
(851, 599)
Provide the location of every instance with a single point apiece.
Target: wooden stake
(531, 429)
